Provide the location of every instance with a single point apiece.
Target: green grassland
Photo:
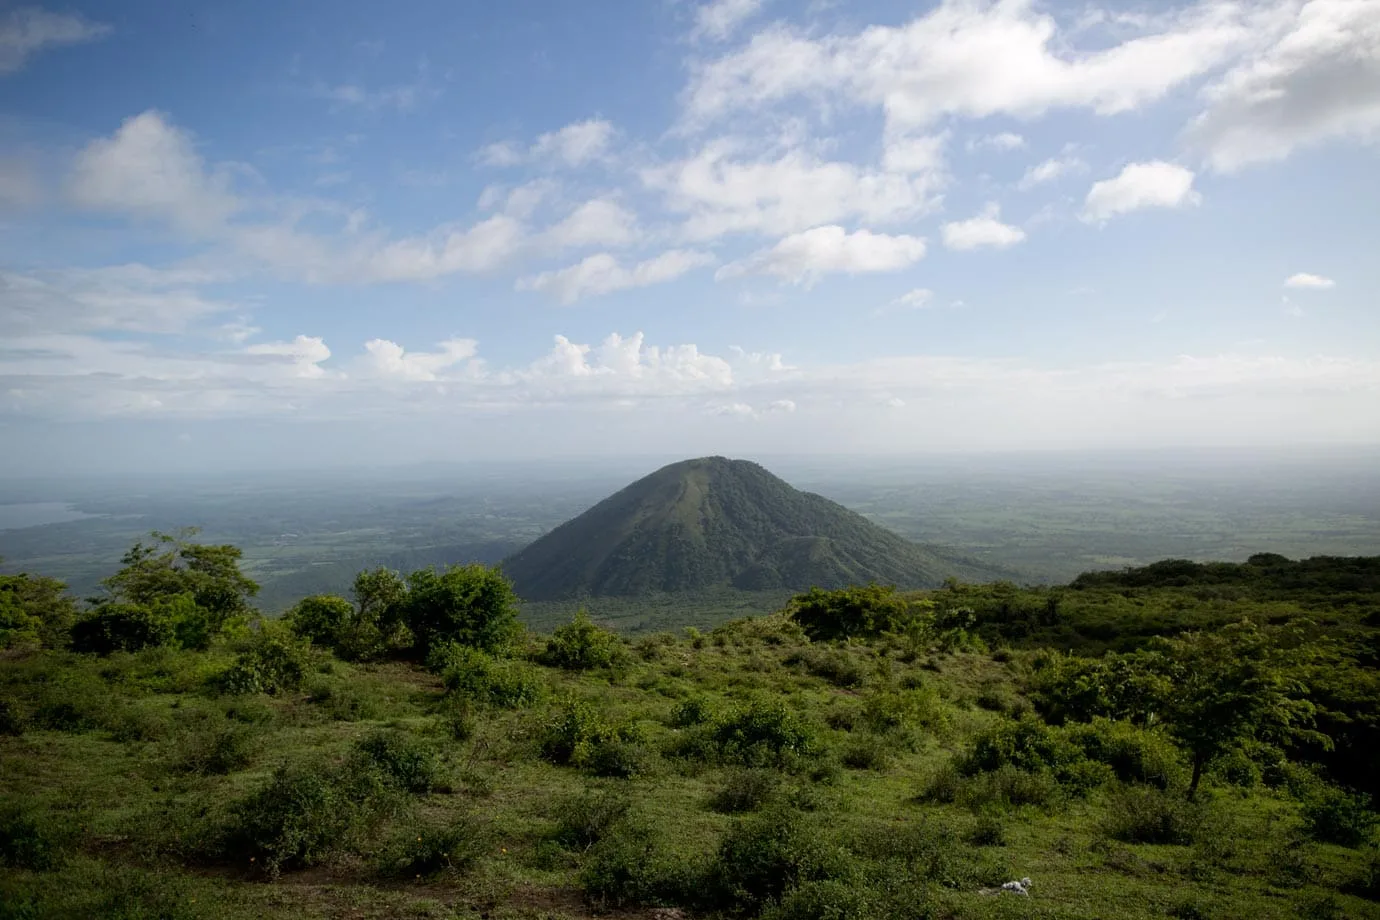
(744, 771)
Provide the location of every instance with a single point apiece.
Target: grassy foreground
(743, 772)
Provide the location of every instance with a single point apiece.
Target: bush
(321, 619)
(13, 719)
(26, 842)
(893, 711)
(114, 627)
(572, 735)
(483, 678)
(746, 790)
(765, 856)
(1134, 754)
(582, 645)
(342, 702)
(217, 751)
(274, 662)
(470, 605)
(866, 752)
(857, 611)
(305, 814)
(763, 733)
(1334, 815)
(632, 865)
(988, 832)
(584, 820)
(1138, 814)
(450, 846)
(403, 760)
(620, 758)
(834, 665)
(694, 711)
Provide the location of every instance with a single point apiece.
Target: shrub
(632, 865)
(115, 627)
(866, 752)
(621, 758)
(450, 846)
(584, 820)
(825, 899)
(468, 604)
(342, 702)
(217, 751)
(13, 719)
(902, 712)
(305, 814)
(1138, 814)
(581, 645)
(765, 856)
(26, 842)
(856, 611)
(746, 790)
(483, 678)
(571, 736)
(834, 665)
(988, 832)
(1334, 815)
(274, 662)
(321, 619)
(403, 760)
(694, 711)
(763, 733)
(1135, 755)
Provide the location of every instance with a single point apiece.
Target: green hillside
(715, 522)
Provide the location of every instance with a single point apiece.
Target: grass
(133, 822)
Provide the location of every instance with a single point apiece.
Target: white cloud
(1305, 280)
(1052, 169)
(304, 354)
(719, 19)
(470, 250)
(577, 144)
(598, 222)
(390, 360)
(149, 168)
(924, 155)
(975, 60)
(121, 298)
(237, 331)
(803, 257)
(1005, 141)
(1317, 78)
(1141, 185)
(604, 274)
(782, 405)
(984, 230)
(26, 31)
(720, 194)
(917, 299)
(733, 410)
(403, 98)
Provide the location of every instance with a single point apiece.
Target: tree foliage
(854, 612)
(471, 605)
(34, 609)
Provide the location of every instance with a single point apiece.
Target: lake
(32, 514)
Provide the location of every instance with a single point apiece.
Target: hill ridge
(714, 521)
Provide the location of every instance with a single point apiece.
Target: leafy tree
(471, 605)
(1230, 686)
(857, 611)
(34, 609)
(322, 618)
(116, 627)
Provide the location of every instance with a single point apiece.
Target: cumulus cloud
(1305, 280)
(27, 31)
(303, 354)
(984, 230)
(719, 19)
(1141, 185)
(1317, 78)
(604, 273)
(1052, 169)
(389, 360)
(720, 192)
(803, 257)
(972, 60)
(577, 144)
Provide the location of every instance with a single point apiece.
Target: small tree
(1229, 686)
(856, 611)
(582, 644)
(471, 605)
(34, 609)
(322, 618)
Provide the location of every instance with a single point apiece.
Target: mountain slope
(711, 522)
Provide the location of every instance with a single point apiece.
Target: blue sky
(261, 233)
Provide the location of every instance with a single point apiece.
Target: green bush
(632, 865)
(834, 665)
(483, 678)
(470, 605)
(35, 610)
(1333, 815)
(450, 846)
(763, 733)
(341, 701)
(848, 612)
(694, 711)
(746, 790)
(115, 627)
(1141, 814)
(899, 711)
(403, 760)
(13, 718)
(274, 662)
(321, 619)
(584, 820)
(582, 645)
(620, 758)
(571, 736)
(765, 856)
(216, 751)
(989, 831)
(866, 752)
(26, 842)
(1135, 755)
